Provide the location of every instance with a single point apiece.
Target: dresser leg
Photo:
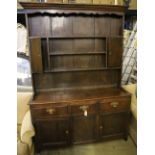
(126, 137)
(37, 150)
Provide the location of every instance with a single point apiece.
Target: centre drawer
(84, 108)
(50, 111)
(115, 105)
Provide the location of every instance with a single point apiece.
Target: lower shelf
(81, 69)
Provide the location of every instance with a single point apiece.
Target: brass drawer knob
(101, 127)
(50, 111)
(84, 109)
(67, 132)
(114, 104)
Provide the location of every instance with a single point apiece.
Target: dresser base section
(62, 123)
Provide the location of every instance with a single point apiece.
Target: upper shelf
(87, 7)
(81, 69)
(78, 53)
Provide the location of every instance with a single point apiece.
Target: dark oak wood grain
(76, 56)
(87, 7)
(36, 57)
(83, 129)
(113, 124)
(76, 79)
(80, 94)
(115, 52)
(52, 132)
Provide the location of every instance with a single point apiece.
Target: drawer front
(84, 108)
(114, 105)
(49, 111)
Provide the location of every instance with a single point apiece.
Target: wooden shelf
(70, 37)
(80, 69)
(76, 37)
(73, 53)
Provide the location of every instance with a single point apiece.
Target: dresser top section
(77, 95)
(86, 7)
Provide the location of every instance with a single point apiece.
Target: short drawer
(84, 108)
(49, 111)
(114, 105)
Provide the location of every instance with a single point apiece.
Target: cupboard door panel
(115, 52)
(54, 132)
(113, 124)
(84, 129)
(36, 55)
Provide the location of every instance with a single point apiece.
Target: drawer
(114, 105)
(49, 111)
(84, 108)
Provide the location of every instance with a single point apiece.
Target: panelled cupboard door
(84, 129)
(52, 132)
(115, 48)
(36, 55)
(113, 124)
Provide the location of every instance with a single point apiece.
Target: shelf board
(73, 53)
(70, 37)
(80, 69)
(76, 37)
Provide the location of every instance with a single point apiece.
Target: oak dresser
(76, 57)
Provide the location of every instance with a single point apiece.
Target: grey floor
(115, 147)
